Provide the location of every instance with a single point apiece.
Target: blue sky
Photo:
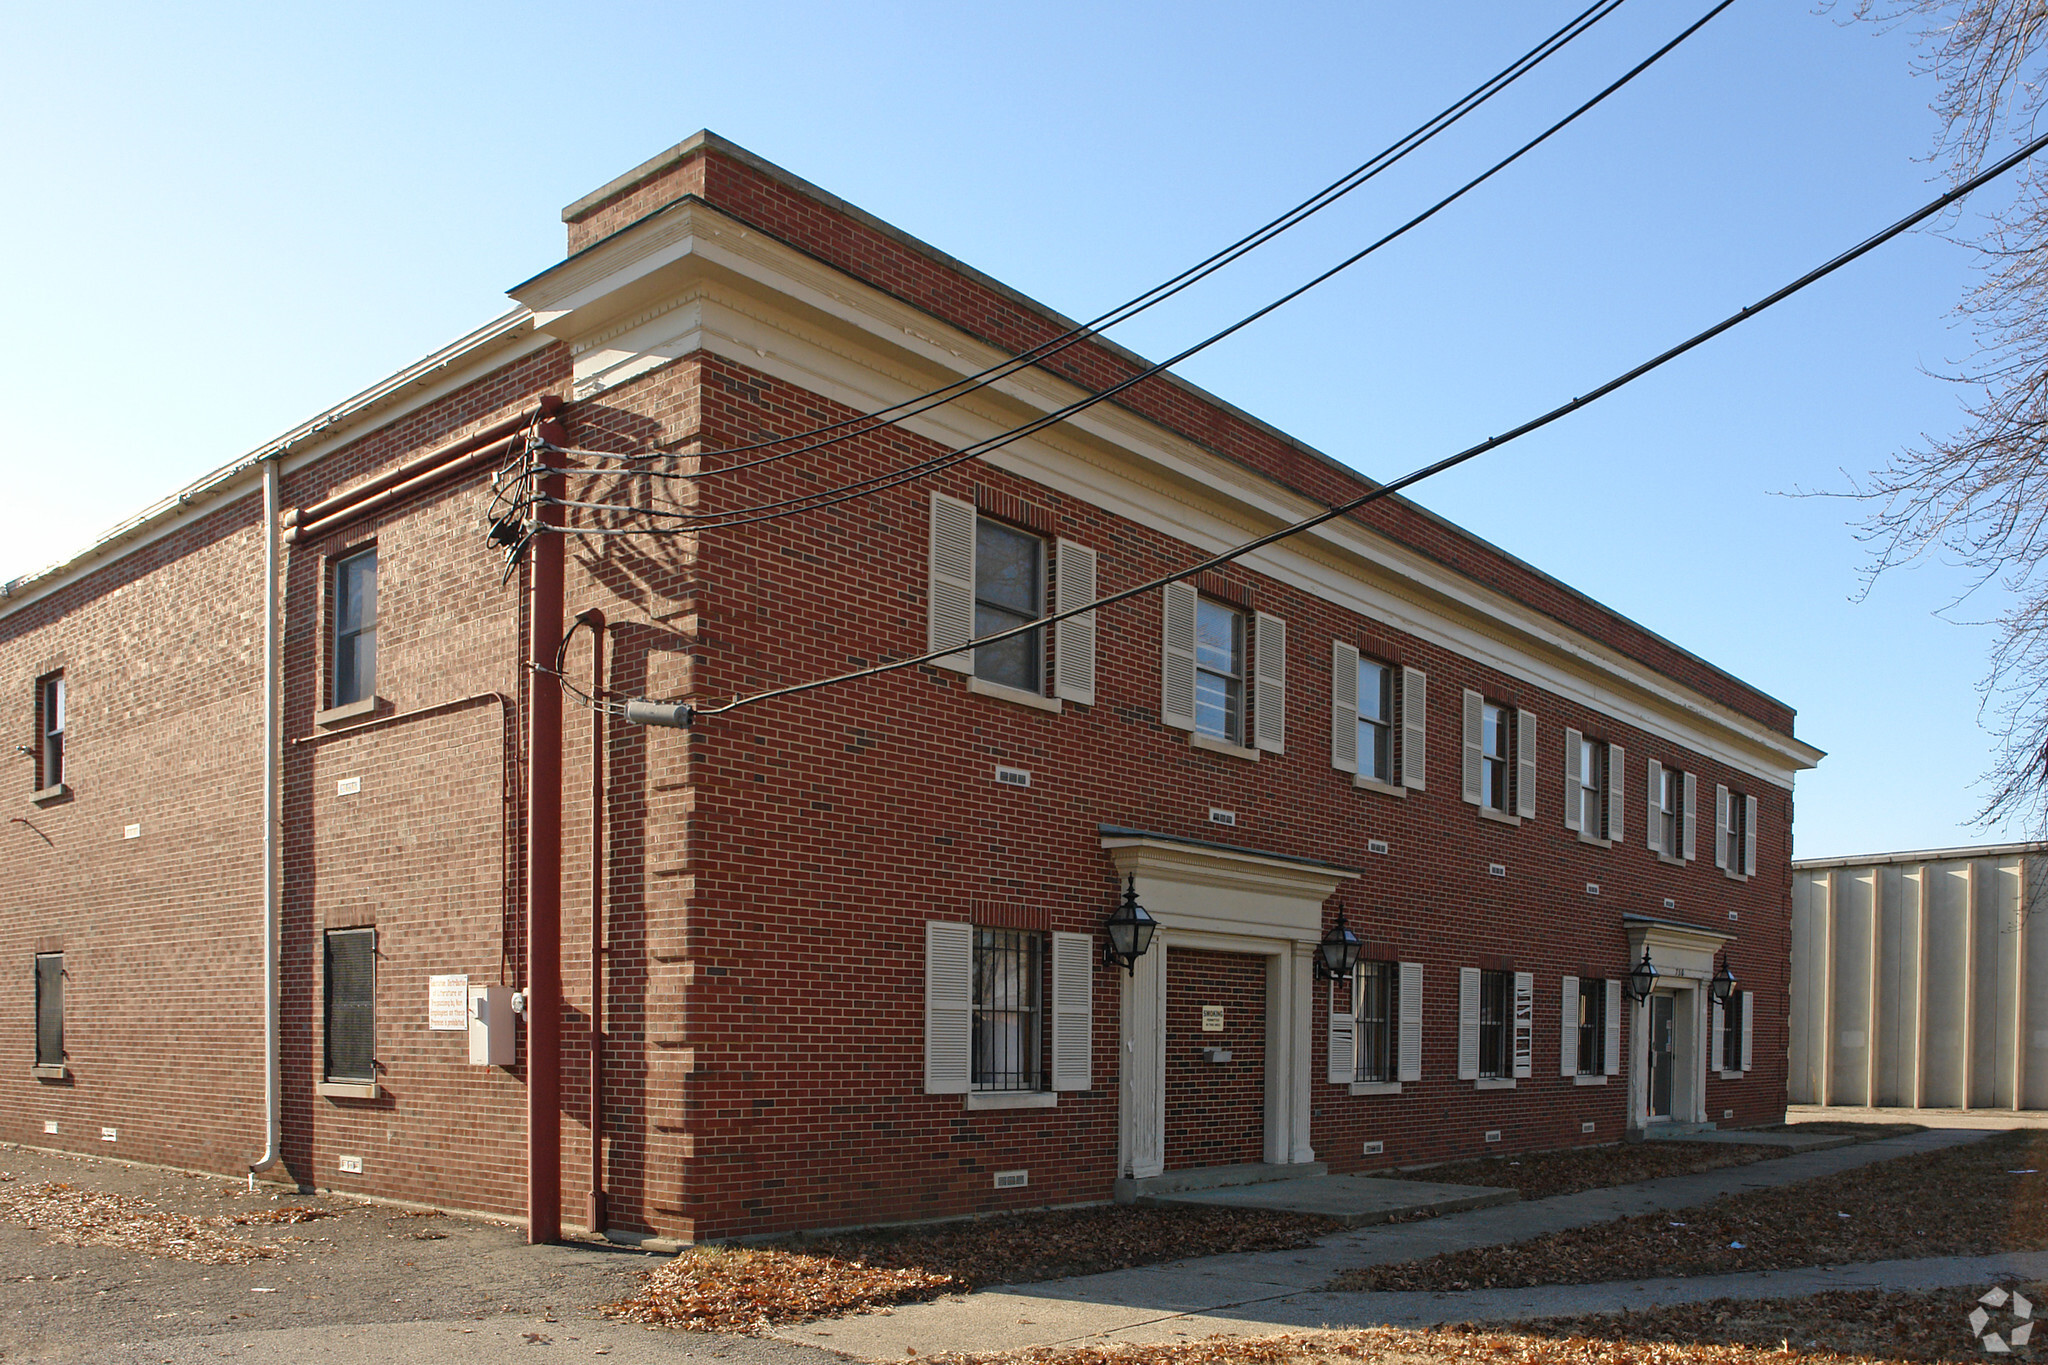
(225, 219)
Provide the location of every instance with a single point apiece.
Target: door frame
(1683, 955)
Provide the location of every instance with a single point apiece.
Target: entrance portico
(1668, 1052)
(1218, 898)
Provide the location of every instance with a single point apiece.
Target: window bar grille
(1006, 1028)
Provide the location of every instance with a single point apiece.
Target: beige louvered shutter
(1343, 1040)
(1568, 1029)
(1414, 729)
(1411, 1021)
(1525, 1023)
(1177, 666)
(1073, 998)
(1572, 740)
(1653, 812)
(949, 623)
(1748, 1026)
(1612, 1059)
(1468, 1023)
(1721, 850)
(1617, 766)
(1525, 764)
(1748, 836)
(1073, 668)
(948, 1007)
(1269, 696)
(1717, 1034)
(1475, 724)
(1691, 785)
(1343, 707)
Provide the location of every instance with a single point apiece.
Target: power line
(1619, 381)
(1380, 161)
(693, 522)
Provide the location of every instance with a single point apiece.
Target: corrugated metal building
(1920, 979)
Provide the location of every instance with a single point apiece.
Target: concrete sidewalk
(1257, 1292)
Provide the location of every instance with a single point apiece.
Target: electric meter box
(491, 1024)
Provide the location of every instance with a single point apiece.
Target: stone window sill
(1489, 813)
(348, 1090)
(1214, 745)
(1494, 1083)
(1589, 1080)
(49, 794)
(1667, 858)
(1375, 1087)
(1373, 784)
(342, 715)
(49, 1073)
(1735, 876)
(1595, 840)
(1012, 1099)
(1002, 692)
(1731, 1075)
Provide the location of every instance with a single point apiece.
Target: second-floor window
(1375, 720)
(1670, 809)
(50, 731)
(1219, 671)
(1592, 788)
(1493, 756)
(1009, 591)
(355, 629)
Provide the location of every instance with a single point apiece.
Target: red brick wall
(1215, 1111)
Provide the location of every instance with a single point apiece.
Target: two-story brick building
(847, 950)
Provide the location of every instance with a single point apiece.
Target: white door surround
(1228, 900)
(1683, 955)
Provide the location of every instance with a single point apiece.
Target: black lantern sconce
(1723, 984)
(1638, 984)
(1337, 954)
(1130, 931)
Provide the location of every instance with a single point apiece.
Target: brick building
(848, 942)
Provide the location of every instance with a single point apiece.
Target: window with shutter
(1691, 806)
(1721, 809)
(1073, 1011)
(1468, 1023)
(1617, 765)
(1525, 764)
(1411, 1021)
(1269, 695)
(1748, 1019)
(1611, 1014)
(1007, 1016)
(948, 1007)
(1344, 695)
(1074, 639)
(1375, 700)
(1575, 751)
(351, 1005)
(1499, 1033)
(1474, 765)
(1177, 667)
(1749, 836)
(950, 608)
(1657, 811)
(1525, 1024)
(49, 1009)
(1376, 994)
(1717, 1036)
(1009, 591)
(1343, 1040)
(1571, 1028)
(1414, 729)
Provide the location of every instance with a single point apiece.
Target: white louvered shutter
(1475, 724)
(1073, 668)
(1468, 1023)
(1269, 695)
(1653, 812)
(1748, 1026)
(1717, 1031)
(1177, 666)
(1343, 707)
(1568, 1029)
(1572, 740)
(1691, 785)
(1721, 849)
(1411, 1021)
(1525, 764)
(1343, 1040)
(949, 623)
(1613, 1057)
(1073, 1020)
(948, 1007)
(1617, 769)
(1414, 729)
(1748, 836)
(1525, 1023)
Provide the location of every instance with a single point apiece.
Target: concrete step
(1675, 1131)
(1214, 1177)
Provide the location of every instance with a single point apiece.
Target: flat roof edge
(1923, 855)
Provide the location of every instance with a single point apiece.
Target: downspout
(272, 1120)
(595, 1210)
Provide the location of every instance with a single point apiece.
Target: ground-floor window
(1731, 1031)
(351, 999)
(1496, 1008)
(1007, 967)
(1592, 1005)
(1379, 1008)
(49, 1009)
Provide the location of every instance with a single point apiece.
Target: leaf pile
(1975, 1200)
(78, 1217)
(1540, 1175)
(743, 1290)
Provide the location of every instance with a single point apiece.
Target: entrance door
(1663, 1066)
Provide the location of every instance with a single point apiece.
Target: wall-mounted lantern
(1337, 954)
(1130, 931)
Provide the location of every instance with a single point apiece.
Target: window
(1734, 832)
(1733, 1014)
(1493, 757)
(1379, 1010)
(1375, 721)
(1495, 1013)
(1006, 1009)
(355, 629)
(49, 1010)
(1668, 810)
(50, 731)
(1592, 788)
(1009, 591)
(1219, 671)
(1592, 1007)
(351, 1020)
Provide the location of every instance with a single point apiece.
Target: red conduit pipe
(594, 1208)
(544, 875)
